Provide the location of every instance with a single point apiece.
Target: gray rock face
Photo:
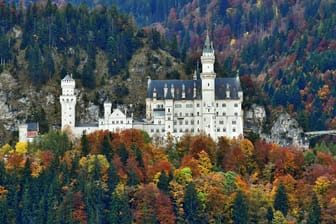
(287, 132)
(254, 119)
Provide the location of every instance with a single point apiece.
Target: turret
(107, 108)
(68, 101)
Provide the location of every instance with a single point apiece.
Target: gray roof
(67, 78)
(221, 85)
(207, 45)
(33, 126)
(159, 86)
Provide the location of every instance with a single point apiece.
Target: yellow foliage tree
(204, 163)
(5, 149)
(322, 184)
(21, 148)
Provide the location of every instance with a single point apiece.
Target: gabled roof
(221, 85)
(178, 86)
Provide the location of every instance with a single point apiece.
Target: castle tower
(208, 74)
(208, 77)
(68, 101)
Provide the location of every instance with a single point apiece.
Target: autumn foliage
(124, 178)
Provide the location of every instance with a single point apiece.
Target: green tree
(240, 209)
(281, 200)
(269, 214)
(85, 145)
(163, 183)
(314, 215)
(192, 205)
(106, 148)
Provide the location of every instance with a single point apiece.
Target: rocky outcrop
(286, 131)
(254, 119)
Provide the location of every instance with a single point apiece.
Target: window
(175, 130)
(216, 104)
(234, 122)
(198, 105)
(224, 114)
(180, 114)
(152, 130)
(197, 121)
(223, 105)
(236, 105)
(168, 109)
(157, 130)
(192, 122)
(168, 118)
(186, 114)
(233, 130)
(218, 130)
(236, 114)
(221, 122)
(180, 123)
(208, 110)
(224, 129)
(217, 113)
(197, 113)
(175, 122)
(186, 122)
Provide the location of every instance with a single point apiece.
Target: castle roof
(221, 86)
(67, 78)
(208, 45)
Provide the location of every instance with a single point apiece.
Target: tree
(281, 200)
(163, 183)
(106, 148)
(85, 145)
(314, 215)
(270, 214)
(192, 205)
(240, 209)
(279, 218)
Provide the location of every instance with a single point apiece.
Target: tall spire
(207, 45)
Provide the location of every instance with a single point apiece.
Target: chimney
(183, 91)
(195, 90)
(228, 90)
(172, 89)
(165, 90)
(154, 93)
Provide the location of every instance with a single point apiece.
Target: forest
(283, 49)
(125, 177)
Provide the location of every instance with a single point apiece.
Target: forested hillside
(125, 178)
(283, 48)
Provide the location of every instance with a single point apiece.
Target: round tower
(68, 101)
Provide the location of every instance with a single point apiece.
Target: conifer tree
(240, 209)
(85, 145)
(192, 205)
(281, 200)
(163, 183)
(314, 215)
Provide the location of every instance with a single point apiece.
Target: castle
(204, 104)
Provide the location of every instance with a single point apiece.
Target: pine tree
(314, 215)
(106, 148)
(163, 183)
(85, 145)
(240, 209)
(281, 200)
(269, 214)
(192, 205)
